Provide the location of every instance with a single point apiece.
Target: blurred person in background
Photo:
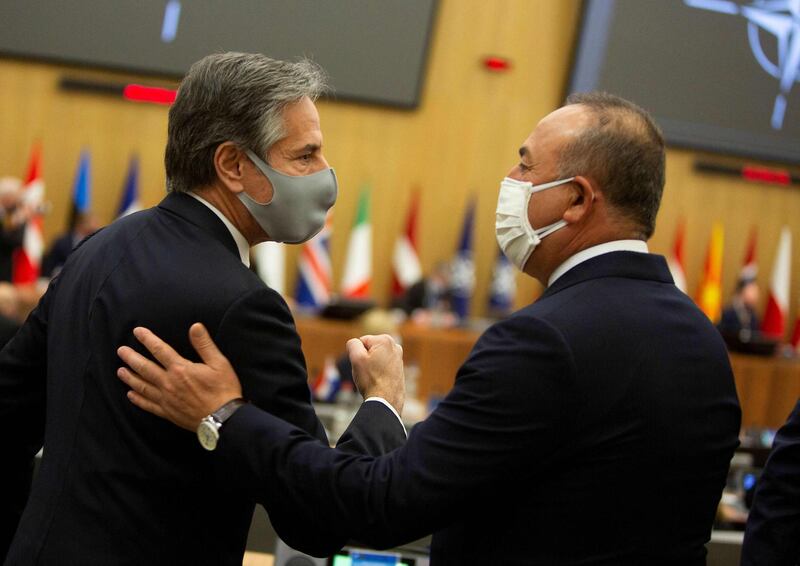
(739, 319)
(9, 313)
(85, 225)
(13, 217)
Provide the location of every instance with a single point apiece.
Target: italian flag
(358, 266)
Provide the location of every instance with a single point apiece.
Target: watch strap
(224, 413)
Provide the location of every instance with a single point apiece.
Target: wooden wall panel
(458, 144)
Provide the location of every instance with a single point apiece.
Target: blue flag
(504, 286)
(129, 203)
(81, 190)
(463, 277)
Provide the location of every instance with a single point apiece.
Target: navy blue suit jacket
(118, 485)
(594, 426)
(772, 537)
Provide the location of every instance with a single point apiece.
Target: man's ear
(582, 199)
(228, 163)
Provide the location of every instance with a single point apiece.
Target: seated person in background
(12, 223)
(9, 312)
(430, 298)
(85, 225)
(739, 320)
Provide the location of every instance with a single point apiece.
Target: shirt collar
(594, 251)
(241, 241)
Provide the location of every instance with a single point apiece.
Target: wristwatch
(208, 429)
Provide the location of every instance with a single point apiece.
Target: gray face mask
(299, 205)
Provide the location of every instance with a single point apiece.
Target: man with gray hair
(594, 426)
(244, 164)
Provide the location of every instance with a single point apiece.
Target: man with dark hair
(116, 486)
(594, 426)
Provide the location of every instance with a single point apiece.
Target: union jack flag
(313, 290)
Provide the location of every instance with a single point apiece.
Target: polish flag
(777, 312)
(405, 260)
(28, 259)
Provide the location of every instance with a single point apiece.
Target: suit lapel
(629, 265)
(197, 213)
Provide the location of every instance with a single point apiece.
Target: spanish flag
(709, 296)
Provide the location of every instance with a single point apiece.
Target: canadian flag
(405, 260)
(676, 261)
(28, 258)
(777, 312)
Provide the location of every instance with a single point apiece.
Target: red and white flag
(28, 258)
(406, 269)
(676, 261)
(776, 315)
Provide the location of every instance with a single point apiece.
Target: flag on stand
(775, 317)
(129, 203)
(81, 190)
(504, 286)
(676, 260)
(406, 269)
(314, 277)
(270, 260)
(327, 383)
(358, 266)
(750, 266)
(27, 260)
(463, 268)
(709, 297)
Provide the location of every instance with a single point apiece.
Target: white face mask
(516, 236)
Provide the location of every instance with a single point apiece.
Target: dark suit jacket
(594, 426)
(57, 255)
(118, 485)
(772, 537)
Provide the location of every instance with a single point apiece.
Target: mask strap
(550, 185)
(550, 228)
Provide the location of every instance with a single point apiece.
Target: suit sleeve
(23, 378)
(258, 336)
(508, 399)
(772, 536)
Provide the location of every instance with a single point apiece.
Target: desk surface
(768, 387)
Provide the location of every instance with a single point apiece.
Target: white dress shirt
(244, 254)
(600, 249)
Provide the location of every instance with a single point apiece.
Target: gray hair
(623, 152)
(237, 97)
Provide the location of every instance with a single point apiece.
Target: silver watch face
(208, 434)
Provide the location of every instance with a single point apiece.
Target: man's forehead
(557, 127)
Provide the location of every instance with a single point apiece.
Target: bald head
(619, 146)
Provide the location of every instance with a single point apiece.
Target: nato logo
(780, 18)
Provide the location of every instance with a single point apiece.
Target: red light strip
(156, 95)
(751, 173)
(497, 63)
